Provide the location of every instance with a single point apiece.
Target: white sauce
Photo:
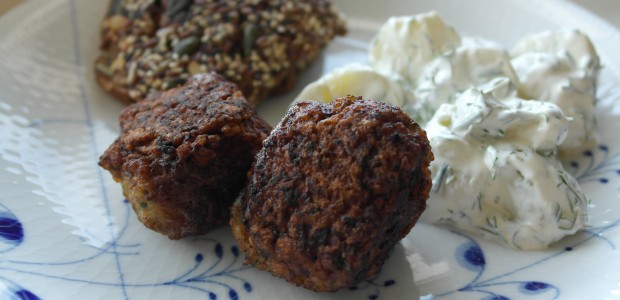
(472, 64)
(404, 45)
(496, 170)
(561, 67)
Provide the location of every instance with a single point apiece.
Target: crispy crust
(150, 45)
(334, 188)
(182, 156)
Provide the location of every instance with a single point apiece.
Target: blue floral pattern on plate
(54, 127)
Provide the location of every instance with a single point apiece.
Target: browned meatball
(183, 155)
(261, 45)
(334, 188)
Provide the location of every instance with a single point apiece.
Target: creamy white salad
(496, 173)
(561, 67)
(497, 121)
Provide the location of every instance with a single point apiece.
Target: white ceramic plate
(67, 233)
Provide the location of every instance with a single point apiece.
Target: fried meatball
(333, 190)
(261, 45)
(182, 156)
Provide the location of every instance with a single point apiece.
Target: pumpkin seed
(187, 45)
(173, 82)
(250, 35)
(115, 7)
(176, 6)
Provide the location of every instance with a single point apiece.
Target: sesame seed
(131, 75)
(141, 51)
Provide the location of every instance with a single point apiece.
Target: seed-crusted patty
(334, 188)
(183, 155)
(261, 45)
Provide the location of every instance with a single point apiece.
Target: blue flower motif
(219, 251)
(374, 287)
(206, 271)
(534, 287)
(11, 230)
(598, 163)
(12, 290)
(233, 294)
(496, 297)
(470, 256)
(26, 295)
(247, 287)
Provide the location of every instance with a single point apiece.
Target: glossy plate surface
(67, 233)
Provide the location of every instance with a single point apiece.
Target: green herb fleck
(439, 178)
